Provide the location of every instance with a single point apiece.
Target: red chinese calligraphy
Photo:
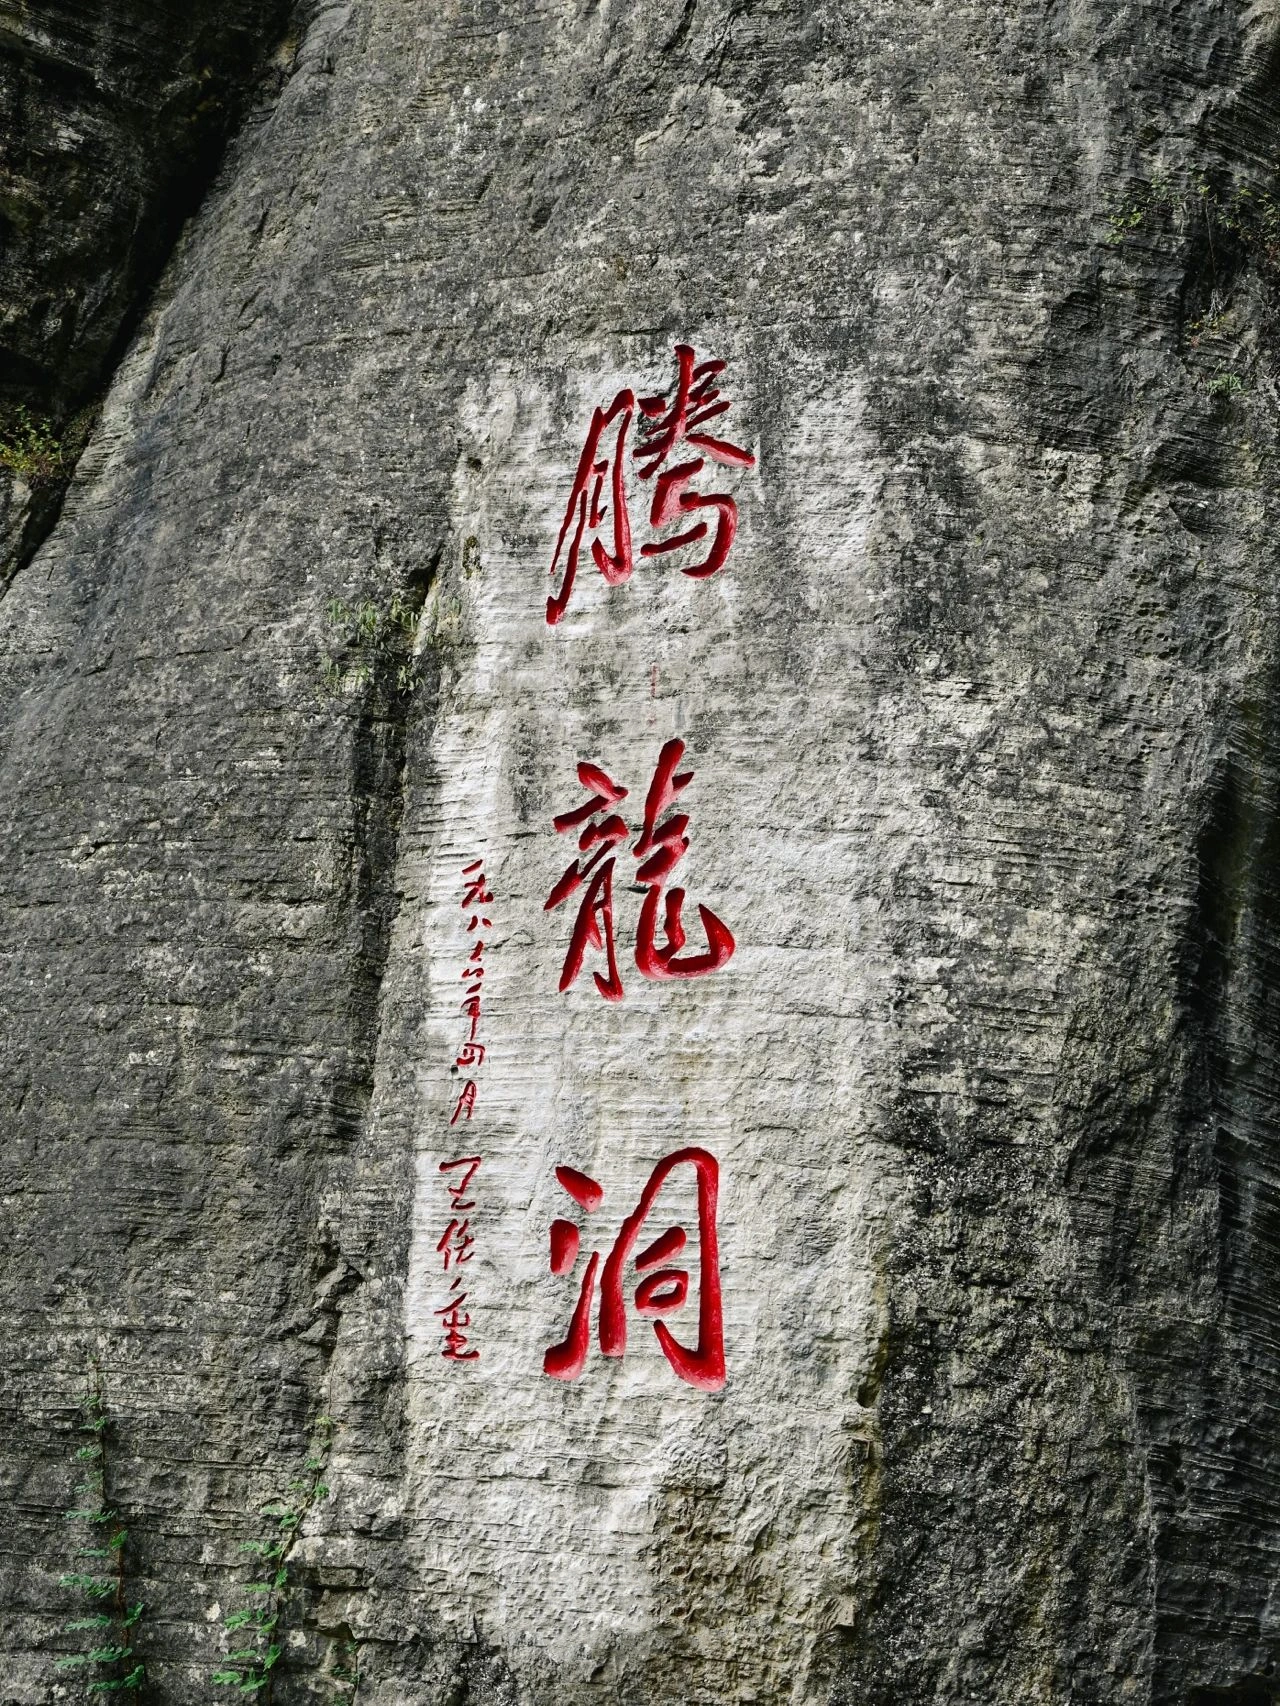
(661, 1291)
(593, 927)
(465, 1103)
(455, 1246)
(458, 1241)
(587, 507)
(666, 427)
(598, 505)
(458, 1190)
(660, 846)
(455, 1321)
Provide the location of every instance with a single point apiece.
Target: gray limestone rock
(980, 713)
(112, 120)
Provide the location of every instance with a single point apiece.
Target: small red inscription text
(457, 1241)
(455, 1246)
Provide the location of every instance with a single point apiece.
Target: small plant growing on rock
(107, 1618)
(346, 1669)
(381, 640)
(1120, 224)
(250, 1667)
(30, 448)
(1128, 218)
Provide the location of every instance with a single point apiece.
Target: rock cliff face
(980, 711)
(113, 119)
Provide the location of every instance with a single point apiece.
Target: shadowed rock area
(113, 120)
(982, 713)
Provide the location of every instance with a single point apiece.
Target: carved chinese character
(465, 1104)
(457, 1243)
(455, 1321)
(661, 1289)
(476, 894)
(660, 846)
(455, 1247)
(597, 507)
(603, 456)
(458, 1189)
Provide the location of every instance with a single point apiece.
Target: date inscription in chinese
(457, 1242)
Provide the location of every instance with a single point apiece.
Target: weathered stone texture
(112, 123)
(983, 719)
(112, 118)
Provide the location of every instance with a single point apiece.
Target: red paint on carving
(704, 1365)
(670, 1244)
(658, 1293)
(466, 1102)
(696, 401)
(455, 1322)
(663, 962)
(593, 927)
(599, 491)
(666, 427)
(671, 502)
(652, 1300)
(584, 1191)
(476, 894)
(586, 509)
(457, 1191)
(456, 1243)
(661, 845)
(566, 1241)
(566, 1360)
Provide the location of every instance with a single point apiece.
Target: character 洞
(661, 1289)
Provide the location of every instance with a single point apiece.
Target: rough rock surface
(112, 117)
(112, 120)
(982, 715)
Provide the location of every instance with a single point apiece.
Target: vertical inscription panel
(669, 1273)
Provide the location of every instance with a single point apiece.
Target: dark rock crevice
(141, 100)
(115, 122)
(391, 716)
